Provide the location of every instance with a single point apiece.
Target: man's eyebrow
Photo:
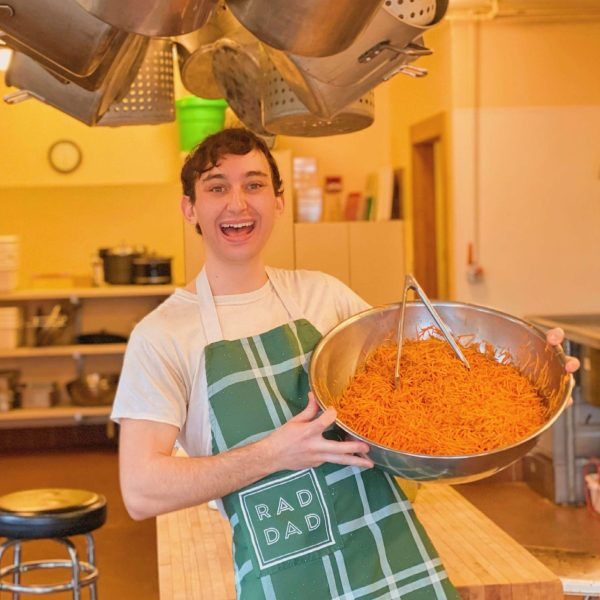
(210, 176)
(256, 173)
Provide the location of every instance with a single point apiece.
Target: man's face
(236, 207)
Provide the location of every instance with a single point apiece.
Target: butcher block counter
(483, 562)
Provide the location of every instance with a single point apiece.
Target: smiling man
(221, 369)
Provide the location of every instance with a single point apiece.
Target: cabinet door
(323, 247)
(377, 260)
(280, 249)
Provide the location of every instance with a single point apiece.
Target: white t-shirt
(163, 377)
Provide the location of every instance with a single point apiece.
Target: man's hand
(299, 444)
(555, 337)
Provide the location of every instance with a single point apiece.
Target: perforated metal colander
(414, 12)
(285, 114)
(151, 97)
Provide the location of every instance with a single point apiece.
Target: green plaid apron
(332, 532)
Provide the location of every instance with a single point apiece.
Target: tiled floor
(127, 549)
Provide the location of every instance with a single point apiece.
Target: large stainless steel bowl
(345, 347)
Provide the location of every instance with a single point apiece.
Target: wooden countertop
(483, 562)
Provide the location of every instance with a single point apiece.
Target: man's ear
(188, 209)
(279, 204)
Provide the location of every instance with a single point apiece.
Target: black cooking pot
(151, 270)
(118, 264)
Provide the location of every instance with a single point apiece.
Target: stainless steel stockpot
(305, 27)
(63, 38)
(152, 17)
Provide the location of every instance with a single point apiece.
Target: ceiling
(526, 8)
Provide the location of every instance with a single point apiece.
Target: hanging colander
(151, 97)
(285, 114)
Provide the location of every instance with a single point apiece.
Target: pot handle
(409, 70)
(412, 50)
(6, 10)
(20, 96)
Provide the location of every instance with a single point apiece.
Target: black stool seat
(50, 513)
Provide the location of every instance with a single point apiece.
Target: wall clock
(65, 156)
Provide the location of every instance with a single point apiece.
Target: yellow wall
(126, 189)
(61, 227)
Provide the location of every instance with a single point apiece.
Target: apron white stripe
(341, 565)
(377, 516)
(244, 570)
(269, 376)
(267, 586)
(241, 376)
(217, 433)
(376, 533)
(342, 474)
(404, 574)
(261, 384)
(435, 580)
(251, 439)
(300, 352)
(330, 576)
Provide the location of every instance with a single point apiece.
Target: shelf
(107, 291)
(74, 350)
(56, 416)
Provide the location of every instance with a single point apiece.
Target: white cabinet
(368, 256)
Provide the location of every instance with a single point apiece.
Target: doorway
(430, 211)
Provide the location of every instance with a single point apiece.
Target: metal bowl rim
(449, 304)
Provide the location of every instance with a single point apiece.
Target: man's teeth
(236, 225)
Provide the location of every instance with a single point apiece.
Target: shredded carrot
(441, 408)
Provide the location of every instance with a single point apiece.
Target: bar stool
(54, 514)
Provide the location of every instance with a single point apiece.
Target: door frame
(435, 128)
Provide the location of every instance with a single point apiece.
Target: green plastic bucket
(197, 119)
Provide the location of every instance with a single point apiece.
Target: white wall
(539, 197)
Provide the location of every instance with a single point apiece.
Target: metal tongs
(410, 283)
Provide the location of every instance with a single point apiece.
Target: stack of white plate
(9, 262)
(10, 327)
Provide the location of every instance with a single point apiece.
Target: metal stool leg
(17, 573)
(91, 557)
(75, 580)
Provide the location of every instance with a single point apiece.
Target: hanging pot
(239, 71)
(195, 52)
(194, 55)
(285, 114)
(152, 17)
(391, 42)
(305, 27)
(40, 28)
(87, 106)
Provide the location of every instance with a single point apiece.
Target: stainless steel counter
(580, 329)
(575, 437)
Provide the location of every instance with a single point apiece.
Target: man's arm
(154, 482)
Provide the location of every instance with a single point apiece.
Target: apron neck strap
(208, 310)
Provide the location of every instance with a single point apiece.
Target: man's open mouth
(237, 230)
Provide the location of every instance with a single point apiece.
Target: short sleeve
(150, 386)
(347, 301)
